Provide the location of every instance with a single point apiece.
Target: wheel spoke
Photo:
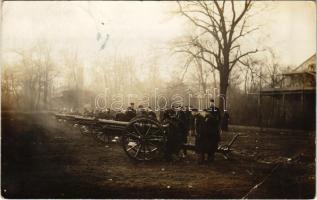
(133, 147)
(137, 130)
(154, 149)
(143, 139)
(138, 151)
(157, 138)
(155, 132)
(151, 150)
(151, 144)
(148, 130)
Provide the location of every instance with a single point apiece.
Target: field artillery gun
(142, 138)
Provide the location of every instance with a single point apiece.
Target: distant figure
(132, 107)
(173, 111)
(121, 116)
(168, 114)
(104, 114)
(141, 112)
(86, 112)
(225, 120)
(97, 113)
(130, 113)
(151, 113)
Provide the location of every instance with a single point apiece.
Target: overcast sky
(137, 28)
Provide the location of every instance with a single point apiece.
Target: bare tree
(272, 67)
(265, 69)
(74, 76)
(30, 78)
(47, 71)
(9, 87)
(221, 27)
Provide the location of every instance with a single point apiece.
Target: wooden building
(291, 103)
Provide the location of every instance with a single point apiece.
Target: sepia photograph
(158, 99)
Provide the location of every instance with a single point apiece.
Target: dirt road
(42, 158)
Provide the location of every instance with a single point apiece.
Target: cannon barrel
(107, 123)
(83, 120)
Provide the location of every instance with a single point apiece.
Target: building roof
(304, 72)
(302, 69)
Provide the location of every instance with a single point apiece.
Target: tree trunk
(45, 87)
(224, 78)
(204, 86)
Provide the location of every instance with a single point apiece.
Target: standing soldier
(212, 120)
(132, 107)
(188, 116)
(173, 142)
(151, 113)
(183, 123)
(200, 135)
(141, 112)
(191, 121)
(86, 112)
(173, 111)
(130, 113)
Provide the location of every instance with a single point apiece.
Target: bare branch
(233, 62)
(213, 33)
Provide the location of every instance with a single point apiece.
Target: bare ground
(42, 158)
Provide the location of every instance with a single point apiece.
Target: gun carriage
(142, 138)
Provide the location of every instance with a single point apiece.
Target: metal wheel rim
(144, 139)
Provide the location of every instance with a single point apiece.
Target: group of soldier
(204, 126)
(183, 121)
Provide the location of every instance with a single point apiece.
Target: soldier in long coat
(183, 122)
(207, 130)
(212, 120)
(199, 133)
(173, 143)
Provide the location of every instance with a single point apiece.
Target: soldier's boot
(211, 157)
(168, 156)
(201, 159)
(185, 151)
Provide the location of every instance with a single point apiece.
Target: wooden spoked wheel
(144, 139)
